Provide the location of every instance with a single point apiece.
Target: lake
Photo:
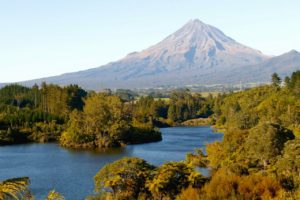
(71, 172)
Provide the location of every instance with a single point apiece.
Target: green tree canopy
(266, 141)
(170, 178)
(288, 166)
(276, 79)
(125, 178)
(102, 123)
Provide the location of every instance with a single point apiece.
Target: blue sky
(41, 38)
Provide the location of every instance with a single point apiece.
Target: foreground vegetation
(258, 158)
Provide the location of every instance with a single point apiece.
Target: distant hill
(195, 54)
(284, 65)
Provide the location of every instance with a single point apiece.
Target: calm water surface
(71, 172)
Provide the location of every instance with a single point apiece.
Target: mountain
(284, 65)
(197, 53)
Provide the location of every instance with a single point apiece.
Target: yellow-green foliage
(246, 109)
(16, 188)
(265, 142)
(125, 178)
(189, 193)
(215, 154)
(260, 126)
(197, 159)
(53, 195)
(288, 166)
(106, 121)
(134, 178)
(256, 123)
(170, 178)
(225, 185)
(102, 123)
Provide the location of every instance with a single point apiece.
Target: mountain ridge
(197, 53)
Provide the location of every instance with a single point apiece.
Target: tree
(102, 123)
(197, 158)
(288, 166)
(215, 154)
(143, 112)
(16, 188)
(54, 99)
(266, 141)
(183, 106)
(17, 95)
(276, 79)
(104, 117)
(53, 195)
(189, 193)
(170, 178)
(75, 97)
(124, 178)
(295, 82)
(287, 81)
(227, 185)
(75, 135)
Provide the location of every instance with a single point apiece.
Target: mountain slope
(284, 65)
(195, 54)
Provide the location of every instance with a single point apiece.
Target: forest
(257, 159)
(86, 119)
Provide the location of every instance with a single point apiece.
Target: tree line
(36, 114)
(87, 119)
